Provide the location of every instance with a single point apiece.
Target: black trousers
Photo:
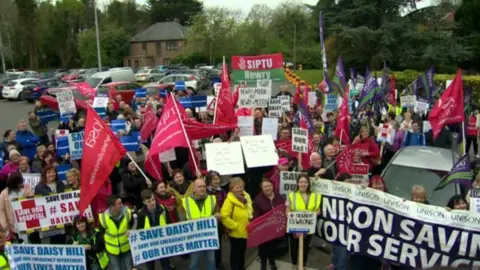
(218, 252)
(267, 250)
(472, 140)
(293, 243)
(238, 247)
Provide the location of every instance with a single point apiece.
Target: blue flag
(47, 116)
(102, 112)
(118, 125)
(193, 101)
(130, 143)
(141, 93)
(62, 146)
(179, 85)
(370, 89)
(62, 170)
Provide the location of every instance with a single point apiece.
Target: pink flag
(153, 166)
(224, 107)
(342, 131)
(270, 226)
(149, 124)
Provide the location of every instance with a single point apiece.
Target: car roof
(158, 85)
(425, 157)
(115, 83)
(24, 79)
(58, 89)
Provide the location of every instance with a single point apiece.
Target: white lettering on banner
(44, 212)
(173, 240)
(253, 97)
(66, 102)
(46, 257)
(301, 222)
(92, 136)
(381, 225)
(226, 158)
(75, 142)
(259, 151)
(265, 63)
(31, 179)
(257, 75)
(300, 140)
(288, 182)
(100, 156)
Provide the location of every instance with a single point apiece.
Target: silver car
(149, 75)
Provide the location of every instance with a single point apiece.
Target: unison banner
(259, 67)
(387, 227)
(47, 212)
(49, 257)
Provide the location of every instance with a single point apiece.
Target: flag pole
(464, 139)
(185, 134)
(149, 182)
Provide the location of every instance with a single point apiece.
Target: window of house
(166, 61)
(172, 45)
(158, 48)
(144, 47)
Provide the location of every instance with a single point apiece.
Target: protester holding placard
(114, 225)
(15, 189)
(84, 234)
(236, 212)
(264, 202)
(406, 124)
(367, 148)
(167, 199)
(329, 162)
(316, 169)
(300, 201)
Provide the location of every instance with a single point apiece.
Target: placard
(477, 124)
(331, 102)
(359, 173)
(100, 102)
(173, 240)
(48, 211)
(408, 101)
(66, 102)
(259, 151)
(31, 179)
(312, 98)
(253, 97)
(168, 155)
(266, 84)
(288, 182)
(301, 222)
(286, 107)
(475, 200)
(421, 106)
(61, 133)
(27, 256)
(245, 125)
(270, 126)
(226, 158)
(385, 133)
(75, 142)
(426, 126)
(209, 102)
(275, 108)
(300, 140)
(217, 87)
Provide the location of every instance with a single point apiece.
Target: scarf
(242, 199)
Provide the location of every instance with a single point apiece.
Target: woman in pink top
(15, 189)
(11, 166)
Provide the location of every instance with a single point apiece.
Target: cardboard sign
(275, 108)
(288, 182)
(66, 102)
(31, 179)
(312, 98)
(285, 103)
(253, 97)
(385, 133)
(245, 124)
(100, 102)
(300, 140)
(475, 200)
(301, 222)
(226, 158)
(331, 102)
(75, 142)
(421, 106)
(270, 126)
(259, 151)
(359, 173)
(408, 101)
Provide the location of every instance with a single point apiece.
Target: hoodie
(28, 141)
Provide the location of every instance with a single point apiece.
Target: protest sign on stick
(66, 102)
(300, 140)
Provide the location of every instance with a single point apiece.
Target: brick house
(157, 45)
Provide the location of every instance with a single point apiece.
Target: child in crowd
(419, 194)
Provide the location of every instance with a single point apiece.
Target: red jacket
(171, 204)
(472, 130)
(371, 147)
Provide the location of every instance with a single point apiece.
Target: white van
(104, 77)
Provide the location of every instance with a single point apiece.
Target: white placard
(66, 102)
(300, 140)
(359, 173)
(75, 142)
(31, 179)
(421, 107)
(408, 101)
(217, 87)
(288, 182)
(245, 124)
(285, 103)
(253, 97)
(226, 158)
(426, 126)
(168, 155)
(301, 222)
(475, 200)
(447, 83)
(259, 151)
(265, 83)
(204, 109)
(100, 102)
(275, 108)
(270, 126)
(312, 98)
(385, 133)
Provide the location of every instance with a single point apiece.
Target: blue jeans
(340, 257)
(209, 256)
(123, 261)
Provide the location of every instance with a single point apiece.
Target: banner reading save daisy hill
(258, 67)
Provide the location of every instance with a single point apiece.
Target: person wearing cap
(115, 224)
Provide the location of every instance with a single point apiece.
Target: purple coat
(8, 169)
(220, 195)
(262, 204)
(398, 140)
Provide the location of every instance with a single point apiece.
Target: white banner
(288, 182)
(75, 142)
(47, 212)
(173, 240)
(31, 179)
(226, 158)
(259, 151)
(300, 140)
(48, 257)
(270, 126)
(66, 102)
(253, 97)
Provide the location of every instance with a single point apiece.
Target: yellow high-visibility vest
(192, 211)
(116, 241)
(162, 219)
(297, 204)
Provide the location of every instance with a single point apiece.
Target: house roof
(161, 31)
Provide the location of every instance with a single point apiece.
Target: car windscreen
(103, 90)
(11, 83)
(76, 94)
(400, 180)
(93, 81)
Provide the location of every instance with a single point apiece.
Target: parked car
(46, 75)
(149, 75)
(200, 65)
(34, 91)
(162, 68)
(421, 165)
(191, 82)
(74, 75)
(112, 75)
(14, 88)
(13, 72)
(88, 73)
(29, 74)
(125, 89)
(49, 98)
(121, 68)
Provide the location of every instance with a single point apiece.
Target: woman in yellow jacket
(302, 200)
(236, 212)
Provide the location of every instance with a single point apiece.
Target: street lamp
(99, 56)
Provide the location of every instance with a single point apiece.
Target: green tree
(469, 29)
(128, 15)
(27, 15)
(169, 10)
(113, 46)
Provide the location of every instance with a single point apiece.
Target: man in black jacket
(152, 215)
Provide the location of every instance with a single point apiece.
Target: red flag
(197, 130)
(342, 131)
(271, 225)
(345, 159)
(153, 165)
(101, 151)
(85, 89)
(391, 97)
(236, 95)
(224, 107)
(449, 108)
(149, 124)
